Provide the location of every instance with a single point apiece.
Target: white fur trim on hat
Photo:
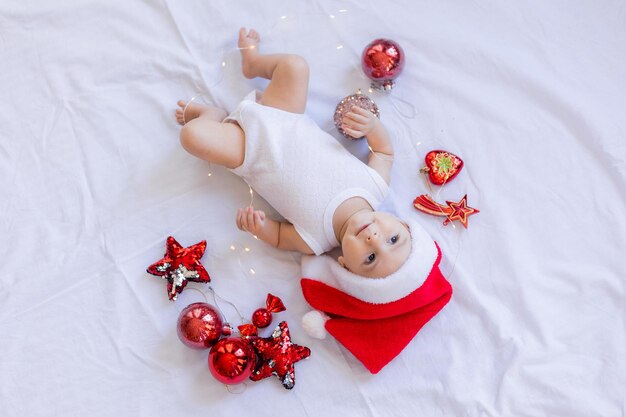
(410, 276)
(314, 324)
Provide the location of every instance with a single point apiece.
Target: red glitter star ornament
(452, 211)
(180, 265)
(277, 356)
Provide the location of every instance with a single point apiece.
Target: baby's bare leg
(288, 74)
(205, 136)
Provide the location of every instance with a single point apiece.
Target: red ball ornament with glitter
(199, 326)
(382, 61)
(232, 360)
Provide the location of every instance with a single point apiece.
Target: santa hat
(375, 318)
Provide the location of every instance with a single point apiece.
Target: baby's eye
(370, 258)
(394, 239)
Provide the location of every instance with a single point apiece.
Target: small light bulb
(252, 271)
(209, 174)
(332, 16)
(246, 249)
(283, 17)
(370, 90)
(340, 47)
(223, 63)
(255, 236)
(418, 143)
(342, 10)
(232, 247)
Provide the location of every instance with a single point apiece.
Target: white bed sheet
(531, 95)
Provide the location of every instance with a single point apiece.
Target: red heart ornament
(442, 166)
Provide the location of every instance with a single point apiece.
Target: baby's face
(375, 244)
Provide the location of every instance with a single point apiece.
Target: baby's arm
(360, 122)
(281, 235)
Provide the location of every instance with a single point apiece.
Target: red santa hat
(375, 318)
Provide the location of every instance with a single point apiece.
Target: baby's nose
(372, 235)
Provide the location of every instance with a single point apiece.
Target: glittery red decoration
(231, 360)
(262, 317)
(442, 166)
(248, 330)
(277, 356)
(199, 326)
(453, 211)
(460, 211)
(180, 265)
(274, 304)
(382, 61)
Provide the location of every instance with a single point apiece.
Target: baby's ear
(341, 262)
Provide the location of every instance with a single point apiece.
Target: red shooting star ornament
(179, 266)
(277, 356)
(452, 211)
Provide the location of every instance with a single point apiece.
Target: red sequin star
(180, 265)
(460, 211)
(277, 356)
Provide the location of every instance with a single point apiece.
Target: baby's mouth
(365, 226)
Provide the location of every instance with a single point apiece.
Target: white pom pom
(313, 324)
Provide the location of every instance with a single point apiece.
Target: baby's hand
(250, 220)
(359, 122)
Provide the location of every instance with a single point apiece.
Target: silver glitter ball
(344, 106)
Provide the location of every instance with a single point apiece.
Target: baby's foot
(194, 110)
(249, 46)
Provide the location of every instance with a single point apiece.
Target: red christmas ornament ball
(261, 318)
(232, 360)
(199, 326)
(382, 61)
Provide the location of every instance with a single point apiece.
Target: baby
(387, 278)
(328, 195)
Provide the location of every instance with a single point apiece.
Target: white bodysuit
(302, 171)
